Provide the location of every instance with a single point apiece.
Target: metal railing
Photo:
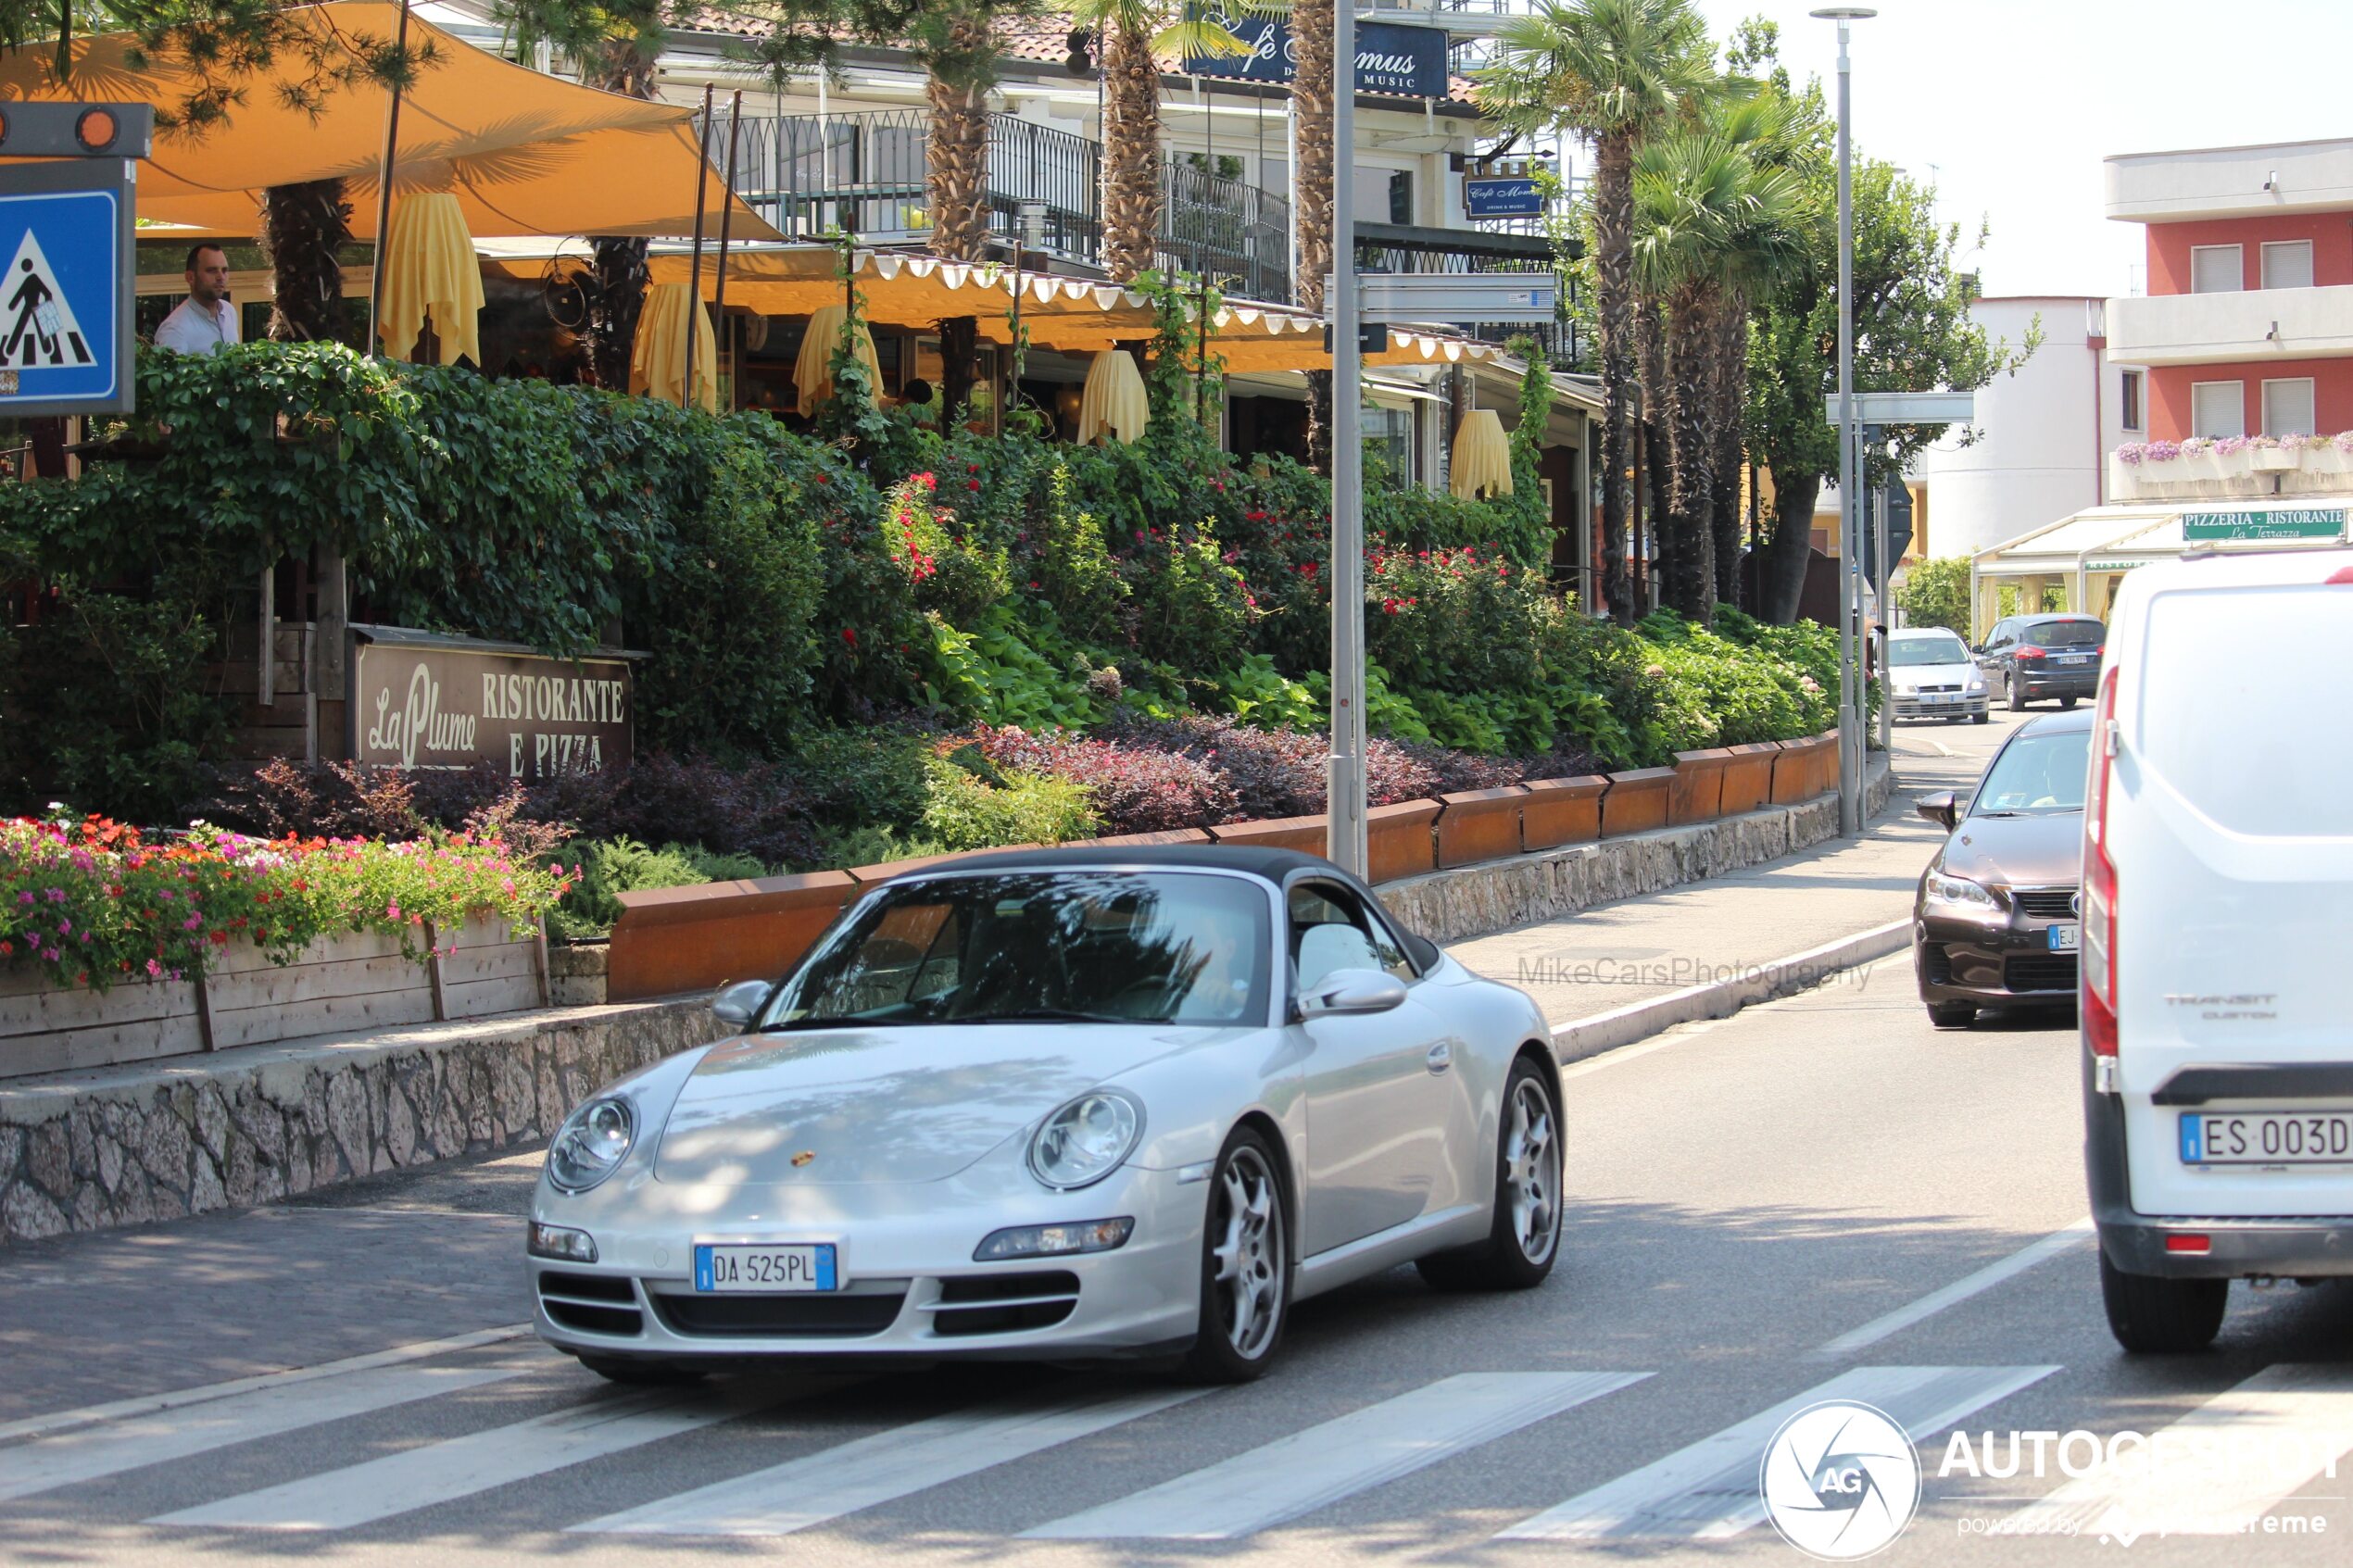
(1236, 234)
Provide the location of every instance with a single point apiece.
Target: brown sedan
(1994, 921)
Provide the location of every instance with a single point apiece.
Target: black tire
(1246, 1187)
(643, 1375)
(2067, 702)
(1952, 1015)
(2017, 693)
(2151, 1316)
(1524, 1238)
(1980, 718)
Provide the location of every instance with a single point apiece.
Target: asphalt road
(1821, 1198)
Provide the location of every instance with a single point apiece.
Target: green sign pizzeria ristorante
(2279, 523)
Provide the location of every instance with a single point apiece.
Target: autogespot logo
(1840, 1480)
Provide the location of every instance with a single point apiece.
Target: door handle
(1441, 1056)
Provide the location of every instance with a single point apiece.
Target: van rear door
(2231, 826)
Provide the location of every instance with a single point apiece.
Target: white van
(2217, 979)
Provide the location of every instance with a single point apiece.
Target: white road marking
(1367, 1448)
(2217, 1471)
(1960, 1290)
(90, 1415)
(461, 1467)
(129, 1443)
(878, 1469)
(1708, 1490)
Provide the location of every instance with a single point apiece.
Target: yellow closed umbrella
(1482, 458)
(812, 372)
(1113, 403)
(430, 270)
(659, 362)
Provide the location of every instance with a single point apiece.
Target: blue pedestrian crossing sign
(66, 230)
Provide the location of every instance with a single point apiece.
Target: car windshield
(1947, 649)
(1041, 946)
(2066, 633)
(2036, 774)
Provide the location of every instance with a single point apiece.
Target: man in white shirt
(205, 322)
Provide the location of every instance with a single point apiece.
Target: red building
(2247, 325)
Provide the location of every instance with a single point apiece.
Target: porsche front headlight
(592, 1143)
(1086, 1140)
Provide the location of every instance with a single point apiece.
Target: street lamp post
(1344, 833)
(1850, 599)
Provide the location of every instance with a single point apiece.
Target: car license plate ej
(764, 1269)
(2267, 1137)
(2063, 938)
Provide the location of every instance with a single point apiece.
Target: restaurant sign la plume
(423, 700)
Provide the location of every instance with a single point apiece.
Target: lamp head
(1844, 13)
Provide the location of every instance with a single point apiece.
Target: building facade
(2247, 326)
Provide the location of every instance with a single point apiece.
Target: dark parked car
(1995, 919)
(2031, 657)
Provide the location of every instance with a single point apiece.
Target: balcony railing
(1382, 248)
(2215, 329)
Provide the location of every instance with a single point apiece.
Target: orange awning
(524, 154)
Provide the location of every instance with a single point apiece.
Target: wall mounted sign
(2272, 522)
(1403, 61)
(1502, 196)
(423, 700)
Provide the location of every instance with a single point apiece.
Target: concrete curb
(1581, 1038)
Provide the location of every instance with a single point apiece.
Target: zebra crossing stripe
(109, 1448)
(460, 1467)
(1708, 1491)
(2217, 1471)
(1309, 1470)
(888, 1465)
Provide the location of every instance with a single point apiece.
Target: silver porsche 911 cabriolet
(1058, 1105)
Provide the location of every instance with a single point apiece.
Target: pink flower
(391, 912)
(190, 924)
(154, 970)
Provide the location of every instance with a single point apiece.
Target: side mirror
(737, 1005)
(1940, 807)
(1352, 991)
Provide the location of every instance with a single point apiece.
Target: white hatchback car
(2217, 1004)
(1931, 675)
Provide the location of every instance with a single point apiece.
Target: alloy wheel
(1531, 1171)
(1249, 1255)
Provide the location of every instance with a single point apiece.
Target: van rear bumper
(2318, 1246)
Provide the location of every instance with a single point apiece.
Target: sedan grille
(591, 1303)
(2040, 971)
(1004, 1303)
(2045, 903)
(814, 1314)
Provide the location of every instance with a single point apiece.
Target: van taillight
(2098, 965)
(2029, 651)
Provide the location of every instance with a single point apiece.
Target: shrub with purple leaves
(1135, 788)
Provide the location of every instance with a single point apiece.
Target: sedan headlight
(1976, 683)
(1958, 890)
(592, 1143)
(1084, 1141)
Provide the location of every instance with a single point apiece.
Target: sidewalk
(1636, 951)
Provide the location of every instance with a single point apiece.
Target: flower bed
(114, 949)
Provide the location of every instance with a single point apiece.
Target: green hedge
(787, 586)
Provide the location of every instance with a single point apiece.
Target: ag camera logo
(1840, 1480)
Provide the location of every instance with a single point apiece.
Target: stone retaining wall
(255, 1124)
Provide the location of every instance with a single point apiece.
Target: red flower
(971, 484)
(850, 637)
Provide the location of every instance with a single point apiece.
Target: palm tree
(1310, 92)
(1612, 70)
(1709, 221)
(303, 229)
(958, 46)
(1134, 33)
